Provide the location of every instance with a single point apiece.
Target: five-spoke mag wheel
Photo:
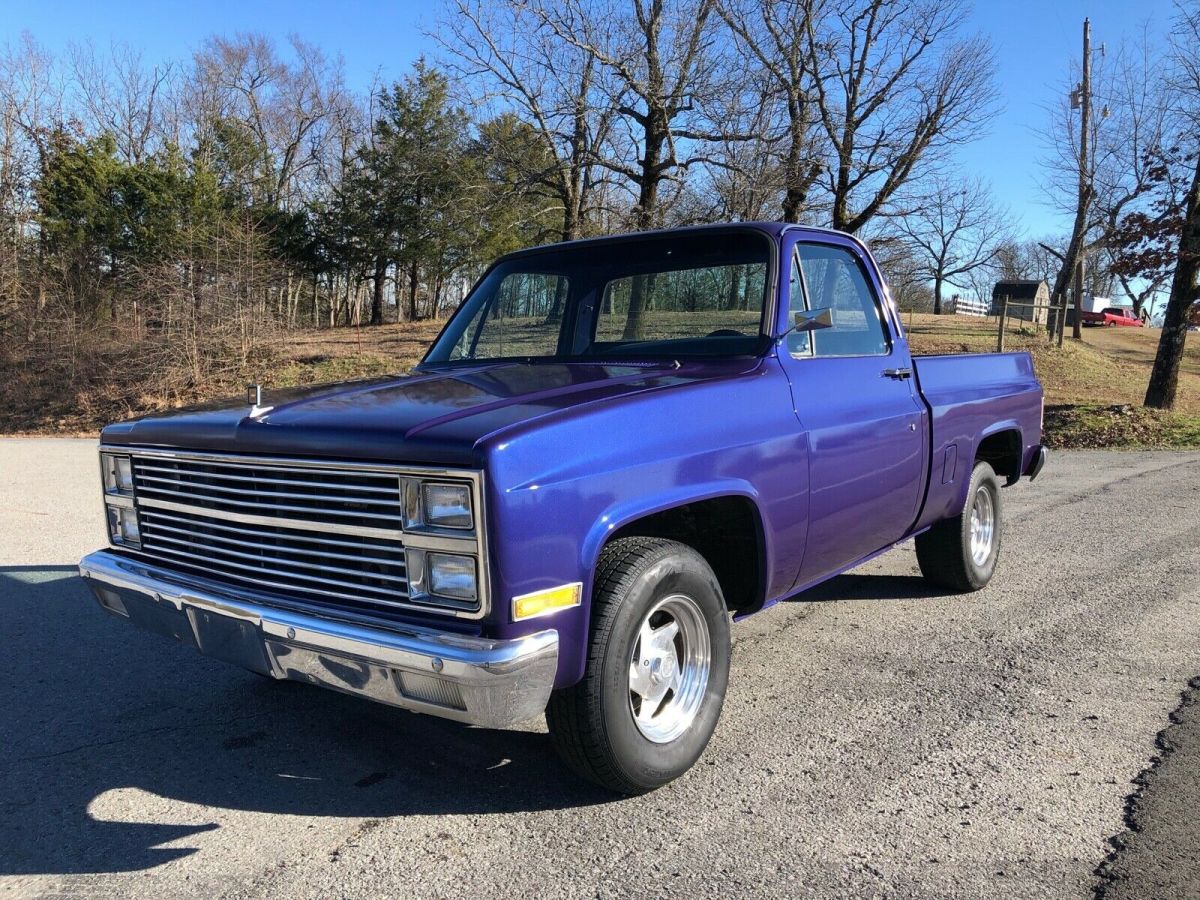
(983, 525)
(668, 668)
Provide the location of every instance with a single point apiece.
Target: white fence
(965, 306)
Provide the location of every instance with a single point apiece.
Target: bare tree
(656, 68)
(31, 98)
(905, 272)
(282, 106)
(956, 229)
(1126, 132)
(896, 87)
(502, 50)
(1029, 260)
(772, 38)
(747, 175)
(1134, 111)
(121, 96)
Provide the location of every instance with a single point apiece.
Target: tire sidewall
(982, 477)
(643, 762)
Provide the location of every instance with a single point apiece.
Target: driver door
(855, 397)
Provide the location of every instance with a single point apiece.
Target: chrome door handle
(898, 373)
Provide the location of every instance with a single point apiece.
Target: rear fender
(996, 428)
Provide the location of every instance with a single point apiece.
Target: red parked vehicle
(1112, 315)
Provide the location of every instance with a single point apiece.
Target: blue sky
(1034, 39)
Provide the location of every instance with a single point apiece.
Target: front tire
(961, 553)
(657, 669)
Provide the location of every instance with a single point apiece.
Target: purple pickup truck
(614, 447)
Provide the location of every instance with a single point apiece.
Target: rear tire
(961, 553)
(657, 669)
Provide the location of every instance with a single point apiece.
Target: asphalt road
(878, 738)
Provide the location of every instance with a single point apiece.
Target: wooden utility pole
(1062, 319)
(1085, 179)
(1003, 322)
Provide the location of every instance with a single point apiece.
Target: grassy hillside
(1094, 388)
(1110, 366)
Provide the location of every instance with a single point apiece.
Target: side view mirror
(813, 319)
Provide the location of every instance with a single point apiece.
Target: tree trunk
(1066, 275)
(733, 295)
(937, 296)
(644, 216)
(560, 299)
(413, 272)
(1185, 291)
(316, 309)
(799, 174)
(381, 265)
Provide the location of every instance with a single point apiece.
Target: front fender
(626, 513)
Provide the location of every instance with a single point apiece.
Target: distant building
(1026, 292)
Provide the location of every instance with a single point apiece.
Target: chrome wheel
(668, 668)
(983, 525)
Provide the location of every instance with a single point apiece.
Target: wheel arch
(724, 524)
(1001, 447)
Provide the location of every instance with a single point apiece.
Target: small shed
(1027, 292)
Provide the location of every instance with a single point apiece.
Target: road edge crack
(1108, 874)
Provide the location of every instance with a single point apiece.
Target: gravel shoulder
(879, 738)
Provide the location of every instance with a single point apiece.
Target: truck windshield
(683, 295)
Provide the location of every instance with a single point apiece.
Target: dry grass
(1094, 388)
(77, 389)
(324, 355)
(1109, 366)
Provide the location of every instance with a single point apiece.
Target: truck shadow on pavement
(117, 742)
(856, 586)
(91, 709)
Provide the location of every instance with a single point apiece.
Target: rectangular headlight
(123, 525)
(447, 505)
(452, 576)
(118, 474)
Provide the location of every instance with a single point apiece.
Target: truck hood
(435, 417)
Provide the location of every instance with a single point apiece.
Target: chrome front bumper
(471, 679)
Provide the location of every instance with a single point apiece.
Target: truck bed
(970, 398)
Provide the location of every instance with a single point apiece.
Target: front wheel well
(1002, 451)
(726, 531)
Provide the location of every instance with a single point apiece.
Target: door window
(833, 278)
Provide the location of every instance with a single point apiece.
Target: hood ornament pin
(254, 398)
